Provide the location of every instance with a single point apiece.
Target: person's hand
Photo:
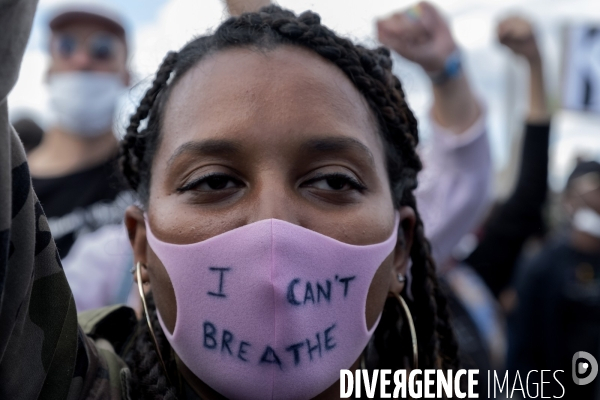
(238, 7)
(419, 34)
(517, 34)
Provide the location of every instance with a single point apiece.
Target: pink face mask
(270, 310)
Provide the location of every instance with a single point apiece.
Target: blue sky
(499, 78)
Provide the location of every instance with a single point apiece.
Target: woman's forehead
(285, 89)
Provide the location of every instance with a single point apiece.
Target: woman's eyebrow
(210, 147)
(337, 144)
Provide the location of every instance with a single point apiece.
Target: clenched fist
(238, 7)
(517, 34)
(419, 34)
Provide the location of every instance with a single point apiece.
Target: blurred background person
(477, 282)
(456, 180)
(520, 217)
(455, 184)
(74, 169)
(558, 302)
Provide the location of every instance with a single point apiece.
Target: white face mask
(588, 221)
(83, 103)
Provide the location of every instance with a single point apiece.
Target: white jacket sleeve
(454, 185)
(98, 268)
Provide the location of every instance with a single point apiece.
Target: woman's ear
(401, 261)
(136, 229)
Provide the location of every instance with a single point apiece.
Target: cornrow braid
(134, 144)
(371, 73)
(147, 378)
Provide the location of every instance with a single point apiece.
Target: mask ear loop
(138, 271)
(411, 326)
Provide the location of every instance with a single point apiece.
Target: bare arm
(237, 7)
(538, 110)
(520, 216)
(421, 35)
(517, 34)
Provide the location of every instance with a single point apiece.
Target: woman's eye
(211, 183)
(216, 183)
(334, 182)
(331, 184)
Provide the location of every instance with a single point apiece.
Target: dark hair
(370, 71)
(582, 168)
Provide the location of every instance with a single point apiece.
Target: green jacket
(43, 352)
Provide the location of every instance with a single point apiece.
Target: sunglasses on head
(100, 46)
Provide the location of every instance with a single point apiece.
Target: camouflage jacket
(43, 352)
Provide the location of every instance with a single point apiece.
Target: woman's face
(249, 135)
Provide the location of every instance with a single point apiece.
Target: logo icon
(582, 367)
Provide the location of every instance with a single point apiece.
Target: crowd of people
(271, 185)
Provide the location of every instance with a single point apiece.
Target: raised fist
(419, 34)
(517, 34)
(238, 7)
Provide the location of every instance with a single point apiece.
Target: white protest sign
(581, 78)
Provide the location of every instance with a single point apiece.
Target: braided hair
(371, 72)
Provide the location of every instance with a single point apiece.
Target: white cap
(72, 12)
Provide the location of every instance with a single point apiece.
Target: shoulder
(542, 268)
(107, 331)
(550, 254)
(114, 324)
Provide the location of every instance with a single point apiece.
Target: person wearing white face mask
(558, 311)
(73, 169)
(583, 205)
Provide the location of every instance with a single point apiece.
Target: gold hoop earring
(138, 271)
(411, 326)
(413, 334)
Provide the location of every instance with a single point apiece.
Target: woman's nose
(274, 199)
